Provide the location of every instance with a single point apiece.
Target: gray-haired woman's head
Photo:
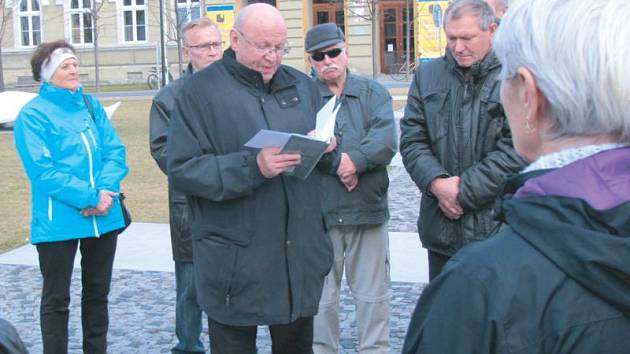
(578, 52)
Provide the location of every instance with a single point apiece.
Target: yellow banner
(431, 40)
(223, 15)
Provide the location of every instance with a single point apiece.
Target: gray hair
(202, 22)
(476, 8)
(501, 4)
(577, 50)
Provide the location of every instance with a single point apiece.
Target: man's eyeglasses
(282, 50)
(333, 53)
(207, 46)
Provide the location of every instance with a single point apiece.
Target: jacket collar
(603, 183)
(351, 88)
(518, 180)
(189, 71)
(478, 70)
(253, 78)
(53, 92)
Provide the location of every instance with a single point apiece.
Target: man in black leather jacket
(455, 139)
(202, 47)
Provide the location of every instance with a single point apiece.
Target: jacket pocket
(230, 220)
(373, 187)
(436, 105)
(288, 98)
(237, 235)
(215, 264)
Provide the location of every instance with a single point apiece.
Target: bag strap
(89, 107)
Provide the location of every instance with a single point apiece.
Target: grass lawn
(145, 186)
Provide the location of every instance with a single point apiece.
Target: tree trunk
(97, 77)
(162, 47)
(1, 72)
(408, 57)
(374, 18)
(179, 41)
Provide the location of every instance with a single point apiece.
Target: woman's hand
(105, 203)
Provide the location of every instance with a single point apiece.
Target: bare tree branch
(7, 8)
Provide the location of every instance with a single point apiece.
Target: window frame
(81, 11)
(189, 6)
(29, 14)
(134, 8)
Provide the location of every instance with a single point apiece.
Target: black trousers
(56, 260)
(437, 261)
(293, 338)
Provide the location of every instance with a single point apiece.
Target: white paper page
(266, 138)
(326, 117)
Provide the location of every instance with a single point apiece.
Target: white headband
(56, 58)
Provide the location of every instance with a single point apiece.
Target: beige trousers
(364, 251)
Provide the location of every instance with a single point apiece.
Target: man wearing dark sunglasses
(354, 195)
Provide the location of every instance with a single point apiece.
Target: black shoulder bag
(121, 196)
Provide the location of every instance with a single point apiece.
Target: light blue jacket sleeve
(30, 141)
(113, 153)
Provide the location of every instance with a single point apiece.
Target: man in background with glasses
(354, 195)
(260, 249)
(202, 47)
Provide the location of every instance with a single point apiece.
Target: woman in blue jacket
(75, 162)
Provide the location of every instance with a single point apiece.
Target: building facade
(128, 31)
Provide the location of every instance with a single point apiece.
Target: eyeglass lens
(333, 53)
(207, 46)
(284, 50)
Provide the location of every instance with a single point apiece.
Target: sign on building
(223, 15)
(431, 40)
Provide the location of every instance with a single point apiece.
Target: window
(81, 22)
(188, 10)
(325, 11)
(29, 17)
(134, 20)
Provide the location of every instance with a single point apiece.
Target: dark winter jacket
(260, 250)
(556, 281)
(454, 125)
(179, 211)
(366, 131)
